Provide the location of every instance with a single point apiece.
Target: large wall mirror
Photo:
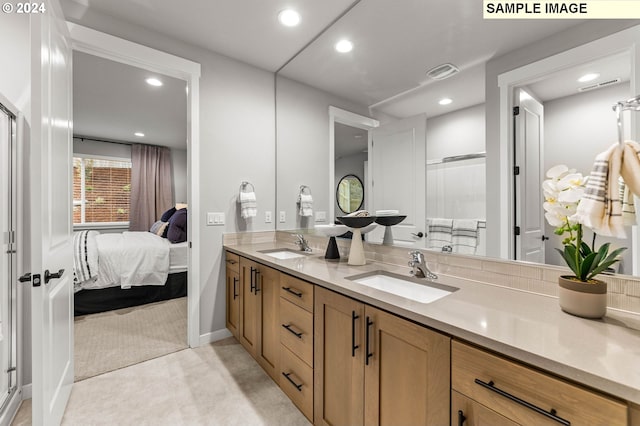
(430, 159)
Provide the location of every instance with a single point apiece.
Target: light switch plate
(215, 218)
(321, 216)
(283, 216)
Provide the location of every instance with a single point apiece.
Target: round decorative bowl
(389, 220)
(332, 230)
(356, 222)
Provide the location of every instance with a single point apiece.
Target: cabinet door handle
(256, 288)
(368, 354)
(290, 290)
(550, 414)
(354, 317)
(461, 418)
(297, 386)
(288, 327)
(252, 280)
(235, 293)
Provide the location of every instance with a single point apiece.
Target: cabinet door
(268, 308)
(407, 378)
(248, 332)
(467, 412)
(233, 301)
(338, 360)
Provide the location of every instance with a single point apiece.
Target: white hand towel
(630, 173)
(305, 202)
(248, 205)
(439, 233)
(600, 207)
(464, 236)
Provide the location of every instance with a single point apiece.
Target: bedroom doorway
(88, 41)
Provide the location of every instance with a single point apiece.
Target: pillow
(177, 232)
(156, 226)
(167, 215)
(180, 206)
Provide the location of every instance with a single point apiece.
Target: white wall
(303, 147)
(576, 129)
(497, 217)
(237, 142)
(456, 133)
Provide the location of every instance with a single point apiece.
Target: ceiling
(393, 49)
(112, 101)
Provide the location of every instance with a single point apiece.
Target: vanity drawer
(492, 381)
(233, 261)
(296, 330)
(297, 291)
(296, 380)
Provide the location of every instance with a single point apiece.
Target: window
(101, 190)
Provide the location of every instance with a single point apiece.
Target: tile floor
(216, 384)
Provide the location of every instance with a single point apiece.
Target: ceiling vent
(442, 71)
(600, 85)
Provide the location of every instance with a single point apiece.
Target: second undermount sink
(411, 288)
(284, 253)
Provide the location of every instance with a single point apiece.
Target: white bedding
(178, 257)
(131, 259)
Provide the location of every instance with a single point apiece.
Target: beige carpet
(111, 340)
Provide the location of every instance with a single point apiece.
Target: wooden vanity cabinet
(259, 314)
(233, 292)
(375, 368)
(509, 393)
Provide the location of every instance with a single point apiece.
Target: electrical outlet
(267, 217)
(321, 216)
(283, 216)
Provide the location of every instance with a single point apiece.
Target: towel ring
(304, 188)
(244, 186)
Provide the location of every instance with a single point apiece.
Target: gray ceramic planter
(587, 300)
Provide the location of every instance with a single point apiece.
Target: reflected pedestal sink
(358, 226)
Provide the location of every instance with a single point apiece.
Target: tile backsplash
(623, 291)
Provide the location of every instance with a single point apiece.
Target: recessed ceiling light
(344, 46)
(588, 77)
(445, 101)
(153, 82)
(289, 18)
(139, 134)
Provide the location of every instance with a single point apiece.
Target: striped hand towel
(248, 205)
(439, 233)
(600, 207)
(464, 236)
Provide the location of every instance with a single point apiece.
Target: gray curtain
(151, 187)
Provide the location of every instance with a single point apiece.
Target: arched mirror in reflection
(350, 194)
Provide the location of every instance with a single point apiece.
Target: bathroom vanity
(347, 353)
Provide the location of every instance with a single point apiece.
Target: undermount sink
(416, 289)
(283, 254)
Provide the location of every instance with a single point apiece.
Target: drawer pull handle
(235, 294)
(295, 293)
(297, 386)
(461, 418)
(288, 327)
(354, 317)
(550, 414)
(368, 354)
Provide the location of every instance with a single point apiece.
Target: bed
(115, 271)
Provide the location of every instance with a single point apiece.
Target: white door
(528, 145)
(51, 228)
(397, 158)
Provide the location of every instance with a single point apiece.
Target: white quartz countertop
(602, 354)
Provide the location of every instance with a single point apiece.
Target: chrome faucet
(419, 266)
(302, 243)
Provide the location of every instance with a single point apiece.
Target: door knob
(25, 278)
(48, 276)
(419, 234)
(544, 238)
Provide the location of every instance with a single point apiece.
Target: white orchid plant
(562, 193)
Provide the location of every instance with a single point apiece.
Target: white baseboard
(214, 336)
(26, 391)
